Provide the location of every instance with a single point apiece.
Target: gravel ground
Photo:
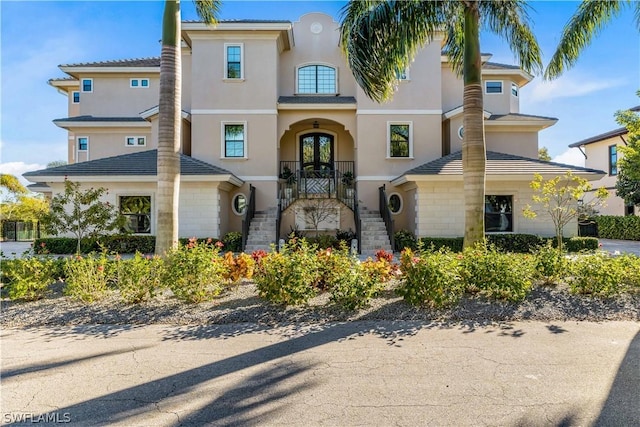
(242, 305)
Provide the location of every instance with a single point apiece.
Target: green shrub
(516, 243)
(88, 277)
(630, 266)
(596, 274)
(453, 244)
(128, 244)
(431, 278)
(404, 239)
(64, 245)
(139, 278)
(323, 241)
(232, 241)
(346, 236)
(29, 277)
(550, 263)
(291, 276)
(352, 283)
(618, 227)
(581, 244)
(195, 272)
(497, 275)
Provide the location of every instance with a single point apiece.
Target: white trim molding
(399, 112)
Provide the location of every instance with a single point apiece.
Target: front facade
(270, 108)
(602, 152)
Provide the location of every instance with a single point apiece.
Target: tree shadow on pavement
(622, 407)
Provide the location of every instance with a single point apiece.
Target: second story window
(76, 97)
(494, 87)
(514, 89)
(613, 160)
(83, 143)
(235, 138)
(132, 141)
(233, 61)
(87, 85)
(316, 79)
(399, 141)
(139, 83)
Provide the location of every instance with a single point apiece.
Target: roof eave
(98, 124)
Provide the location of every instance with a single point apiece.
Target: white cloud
(18, 168)
(569, 87)
(572, 156)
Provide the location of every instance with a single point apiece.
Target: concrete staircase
(374, 233)
(262, 231)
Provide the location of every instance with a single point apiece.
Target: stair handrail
(357, 220)
(385, 213)
(278, 220)
(248, 215)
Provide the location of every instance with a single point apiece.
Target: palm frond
(208, 10)
(454, 44)
(510, 19)
(380, 37)
(584, 25)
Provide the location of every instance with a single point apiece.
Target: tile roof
(135, 62)
(498, 66)
(518, 117)
(100, 119)
(497, 164)
(135, 164)
(316, 99)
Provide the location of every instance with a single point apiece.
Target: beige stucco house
(273, 118)
(602, 152)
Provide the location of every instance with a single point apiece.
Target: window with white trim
(461, 132)
(316, 79)
(613, 160)
(139, 83)
(234, 138)
(233, 54)
(75, 97)
(493, 87)
(87, 85)
(514, 89)
(137, 213)
(83, 143)
(136, 141)
(399, 139)
(402, 75)
(498, 213)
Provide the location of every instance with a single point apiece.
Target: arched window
(316, 79)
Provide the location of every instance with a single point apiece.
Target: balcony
(337, 182)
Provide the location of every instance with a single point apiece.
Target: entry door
(316, 152)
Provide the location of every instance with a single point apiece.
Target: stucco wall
(440, 209)
(112, 95)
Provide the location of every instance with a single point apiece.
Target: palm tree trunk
(169, 130)
(473, 146)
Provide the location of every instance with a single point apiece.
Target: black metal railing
(296, 183)
(358, 222)
(248, 215)
(385, 213)
(278, 222)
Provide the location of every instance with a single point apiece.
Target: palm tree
(169, 118)
(584, 25)
(380, 37)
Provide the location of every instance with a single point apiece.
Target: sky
(37, 36)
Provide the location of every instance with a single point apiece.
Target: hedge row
(517, 243)
(123, 244)
(618, 227)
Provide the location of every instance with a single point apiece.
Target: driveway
(348, 374)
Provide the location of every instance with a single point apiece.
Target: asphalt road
(351, 374)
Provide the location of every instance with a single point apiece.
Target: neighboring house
(601, 152)
(272, 106)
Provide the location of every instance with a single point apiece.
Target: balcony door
(316, 152)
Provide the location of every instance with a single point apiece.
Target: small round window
(395, 203)
(461, 132)
(239, 204)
